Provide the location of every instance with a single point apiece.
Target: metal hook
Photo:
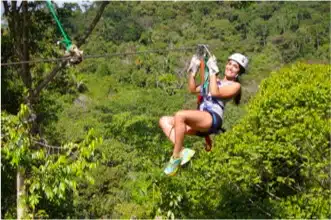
(206, 47)
(202, 50)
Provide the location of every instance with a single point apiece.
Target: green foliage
(270, 163)
(127, 95)
(51, 175)
(273, 163)
(8, 180)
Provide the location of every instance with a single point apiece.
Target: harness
(204, 55)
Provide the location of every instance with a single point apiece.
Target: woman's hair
(237, 98)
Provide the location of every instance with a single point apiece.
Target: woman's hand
(192, 70)
(212, 65)
(194, 65)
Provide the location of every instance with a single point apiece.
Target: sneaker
(172, 166)
(186, 154)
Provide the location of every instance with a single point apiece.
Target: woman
(208, 119)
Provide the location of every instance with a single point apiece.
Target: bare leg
(168, 126)
(195, 119)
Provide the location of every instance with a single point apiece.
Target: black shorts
(216, 125)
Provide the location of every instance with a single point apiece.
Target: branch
(49, 146)
(27, 78)
(253, 203)
(53, 73)
(82, 40)
(6, 6)
(20, 6)
(16, 33)
(48, 78)
(269, 193)
(13, 7)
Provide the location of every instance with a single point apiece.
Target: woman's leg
(196, 120)
(184, 122)
(168, 126)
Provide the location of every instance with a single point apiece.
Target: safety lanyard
(205, 85)
(66, 41)
(204, 70)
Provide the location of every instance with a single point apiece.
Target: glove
(212, 65)
(194, 65)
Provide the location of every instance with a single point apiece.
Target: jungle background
(84, 140)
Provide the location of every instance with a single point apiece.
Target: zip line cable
(110, 55)
(98, 56)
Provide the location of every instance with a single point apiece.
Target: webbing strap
(208, 144)
(206, 78)
(204, 72)
(66, 40)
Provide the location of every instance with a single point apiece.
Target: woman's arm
(192, 71)
(228, 91)
(193, 88)
(224, 91)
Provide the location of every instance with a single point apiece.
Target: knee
(164, 121)
(180, 116)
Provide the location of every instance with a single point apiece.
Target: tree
(20, 22)
(50, 172)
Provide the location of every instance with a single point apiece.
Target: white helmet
(241, 59)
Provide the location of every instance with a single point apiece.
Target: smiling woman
(209, 116)
(133, 69)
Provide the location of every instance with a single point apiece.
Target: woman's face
(232, 69)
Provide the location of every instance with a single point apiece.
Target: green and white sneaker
(172, 166)
(186, 154)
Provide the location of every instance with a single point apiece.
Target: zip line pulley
(72, 52)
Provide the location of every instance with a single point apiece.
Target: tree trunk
(25, 47)
(27, 79)
(20, 196)
(19, 29)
